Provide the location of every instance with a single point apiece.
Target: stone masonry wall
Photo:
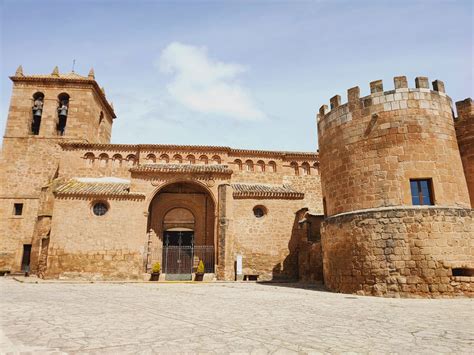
(15, 231)
(465, 134)
(84, 114)
(399, 252)
(310, 256)
(30, 162)
(371, 147)
(27, 165)
(79, 244)
(248, 235)
(268, 245)
(86, 246)
(310, 262)
(95, 160)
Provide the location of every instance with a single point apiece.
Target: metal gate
(177, 259)
(179, 262)
(181, 257)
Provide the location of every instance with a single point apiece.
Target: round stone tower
(395, 196)
(465, 133)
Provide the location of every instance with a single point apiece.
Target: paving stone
(224, 318)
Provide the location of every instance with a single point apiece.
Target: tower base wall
(400, 252)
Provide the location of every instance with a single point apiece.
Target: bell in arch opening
(38, 102)
(63, 109)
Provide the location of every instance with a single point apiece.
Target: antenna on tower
(73, 64)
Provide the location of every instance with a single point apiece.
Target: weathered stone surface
(44, 173)
(370, 149)
(222, 318)
(373, 241)
(404, 252)
(367, 161)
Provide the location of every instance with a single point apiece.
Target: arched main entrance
(182, 228)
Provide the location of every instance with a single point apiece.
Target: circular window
(100, 208)
(259, 211)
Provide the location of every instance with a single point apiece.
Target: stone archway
(182, 214)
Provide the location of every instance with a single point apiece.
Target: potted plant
(155, 272)
(199, 271)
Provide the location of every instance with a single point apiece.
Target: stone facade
(72, 205)
(30, 162)
(372, 150)
(150, 192)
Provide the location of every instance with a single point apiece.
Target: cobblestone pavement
(224, 318)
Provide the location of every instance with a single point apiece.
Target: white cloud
(205, 85)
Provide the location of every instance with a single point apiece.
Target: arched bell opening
(63, 108)
(37, 110)
(181, 223)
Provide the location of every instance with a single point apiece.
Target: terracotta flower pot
(198, 276)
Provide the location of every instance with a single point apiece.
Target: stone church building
(74, 205)
(383, 208)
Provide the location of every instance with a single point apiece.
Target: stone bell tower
(59, 105)
(45, 110)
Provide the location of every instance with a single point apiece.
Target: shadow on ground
(298, 285)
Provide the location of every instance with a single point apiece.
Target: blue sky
(248, 74)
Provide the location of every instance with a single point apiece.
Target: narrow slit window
(421, 192)
(17, 209)
(463, 271)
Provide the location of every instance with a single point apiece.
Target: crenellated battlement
(400, 98)
(391, 136)
(465, 109)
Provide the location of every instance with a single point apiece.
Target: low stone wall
(407, 251)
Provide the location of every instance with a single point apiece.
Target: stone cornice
(237, 153)
(395, 209)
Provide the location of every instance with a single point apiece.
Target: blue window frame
(421, 191)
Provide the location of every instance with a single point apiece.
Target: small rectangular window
(421, 192)
(17, 209)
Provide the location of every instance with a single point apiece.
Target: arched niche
(177, 219)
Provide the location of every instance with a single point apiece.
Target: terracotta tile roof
(80, 188)
(265, 191)
(183, 168)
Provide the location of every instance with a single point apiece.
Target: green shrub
(200, 268)
(156, 268)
